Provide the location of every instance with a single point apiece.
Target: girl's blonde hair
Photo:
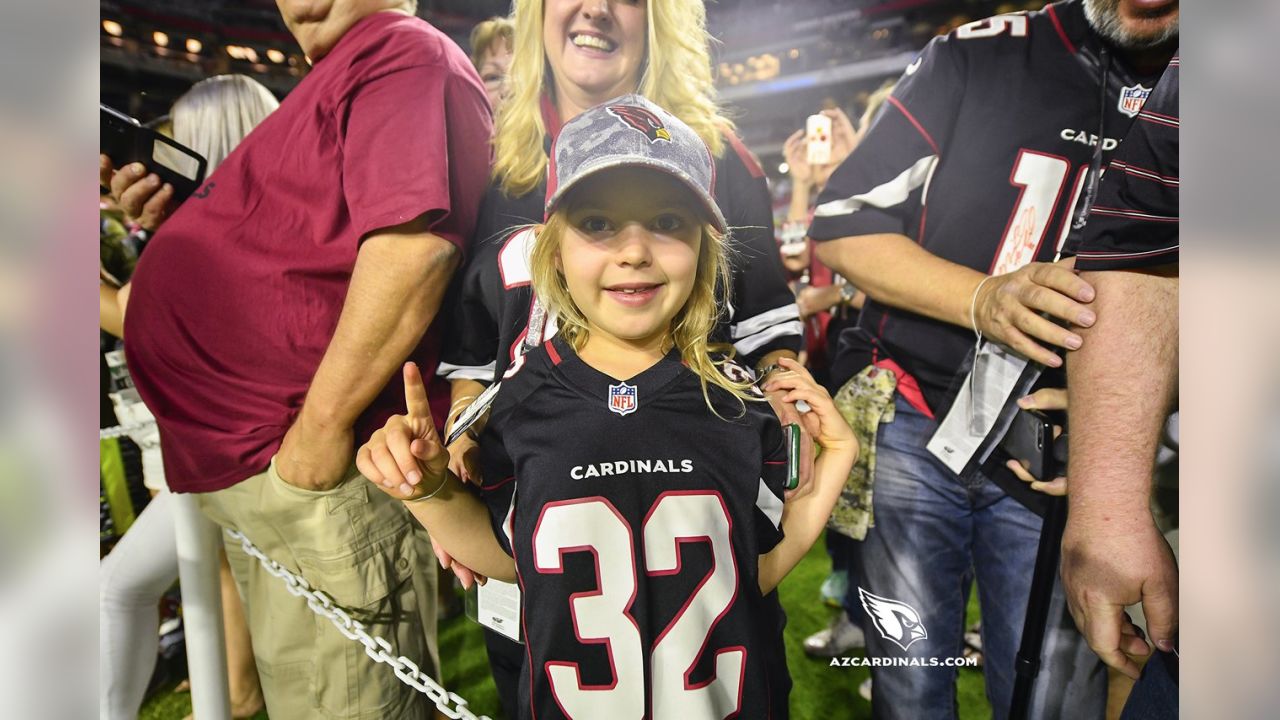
(217, 113)
(676, 75)
(692, 326)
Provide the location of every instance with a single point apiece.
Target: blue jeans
(1155, 695)
(933, 536)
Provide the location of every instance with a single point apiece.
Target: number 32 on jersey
(594, 525)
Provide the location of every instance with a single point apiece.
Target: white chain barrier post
(378, 649)
(199, 573)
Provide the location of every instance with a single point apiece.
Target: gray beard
(1104, 16)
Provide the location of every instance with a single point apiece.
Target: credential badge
(1132, 98)
(622, 398)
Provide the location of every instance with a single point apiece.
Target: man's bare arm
(894, 270)
(1122, 384)
(398, 283)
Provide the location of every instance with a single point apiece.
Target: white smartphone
(818, 137)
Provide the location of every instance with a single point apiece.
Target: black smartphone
(1029, 440)
(125, 141)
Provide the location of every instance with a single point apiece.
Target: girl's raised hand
(822, 421)
(406, 458)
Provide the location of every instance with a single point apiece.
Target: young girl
(631, 487)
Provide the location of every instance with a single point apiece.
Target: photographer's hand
(142, 196)
(1043, 399)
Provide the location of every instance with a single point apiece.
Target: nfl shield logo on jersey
(622, 398)
(1132, 98)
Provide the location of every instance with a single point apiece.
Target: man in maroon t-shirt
(268, 318)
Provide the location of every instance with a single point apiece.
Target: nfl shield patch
(1132, 98)
(622, 398)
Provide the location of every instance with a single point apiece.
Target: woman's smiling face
(596, 48)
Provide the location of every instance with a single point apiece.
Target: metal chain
(120, 431)
(449, 704)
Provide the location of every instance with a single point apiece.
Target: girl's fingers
(398, 442)
(364, 463)
(415, 394)
(391, 475)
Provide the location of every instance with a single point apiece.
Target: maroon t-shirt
(238, 295)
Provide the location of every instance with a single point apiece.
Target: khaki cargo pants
(364, 550)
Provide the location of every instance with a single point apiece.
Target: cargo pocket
(370, 576)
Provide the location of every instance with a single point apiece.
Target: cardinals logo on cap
(896, 621)
(642, 120)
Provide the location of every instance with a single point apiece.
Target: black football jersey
(636, 518)
(1134, 222)
(494, 297)
(980, 156)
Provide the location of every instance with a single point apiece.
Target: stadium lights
(194, 46)
(161, 39)
(113, 28)
(275, 56)
(240, 52)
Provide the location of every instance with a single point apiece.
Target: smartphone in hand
(1030, 441)
(125, 140)
(818, 139)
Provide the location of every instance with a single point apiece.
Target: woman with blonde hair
(569, 56)
(210, 118)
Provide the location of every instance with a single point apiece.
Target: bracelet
(454, 411)
(433, 493)
(973, 307)
(764, 372)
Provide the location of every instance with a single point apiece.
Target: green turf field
(820, 691)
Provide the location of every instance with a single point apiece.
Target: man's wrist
(315, 417)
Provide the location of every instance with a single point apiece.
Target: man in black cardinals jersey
(1122, 384)
(948, 214)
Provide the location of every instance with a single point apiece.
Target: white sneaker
(838, 638)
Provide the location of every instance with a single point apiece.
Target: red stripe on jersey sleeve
(1062, 33)
(927, 137)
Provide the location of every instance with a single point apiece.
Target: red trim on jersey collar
(551, 116)
(927, 137)
(1062, 33)
(551, 353)
(744, 154)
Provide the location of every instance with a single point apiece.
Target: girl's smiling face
(629, 254)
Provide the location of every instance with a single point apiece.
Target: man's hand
(1102, 573)
(1007, 309)
(813, 300)
(141, 196)
(1043, 399)
(313, 457)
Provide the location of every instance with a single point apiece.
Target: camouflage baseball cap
(630, 131)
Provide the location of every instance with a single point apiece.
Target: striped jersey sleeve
(879, 187)
(1134, 222)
